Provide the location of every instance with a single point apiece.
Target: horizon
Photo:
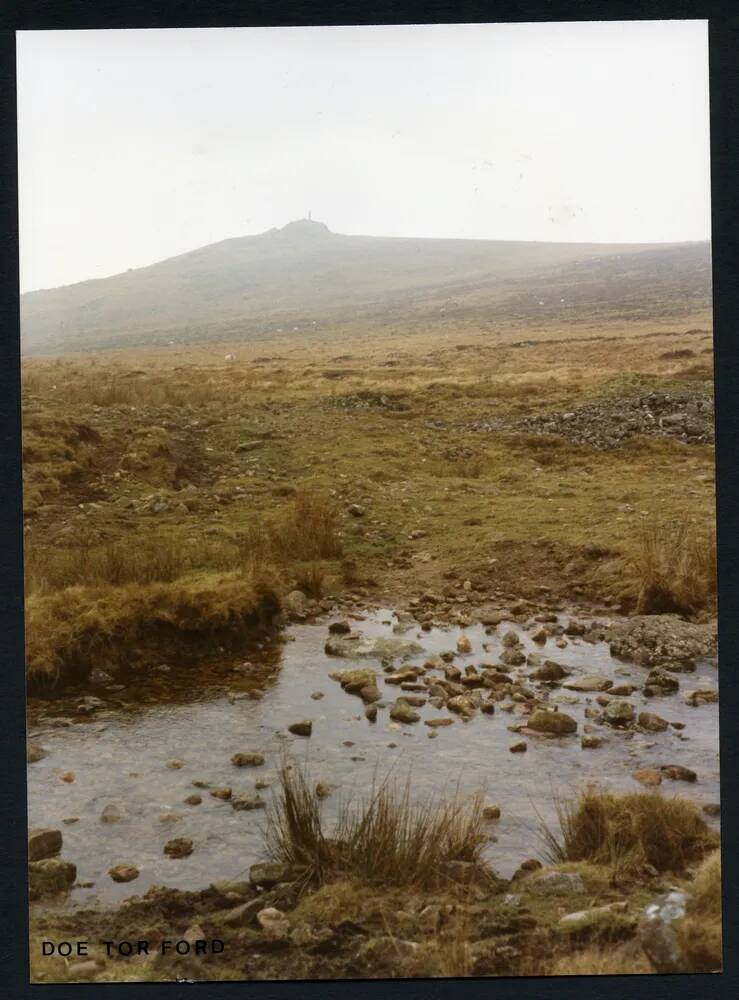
(332, 232)
(135, 146)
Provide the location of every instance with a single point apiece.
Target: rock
(513, 657)
(50, 876)
(619, 713)
(249, 759)
(111, 813)
(267, 874)
(340, 628)
(401, 677)
(317, 695)
(622, 690)
(35, 752)
(370, 693)
(370, 713)
(526, 867)
(322, 790)
(192, 800)
(583, 919)
(551, 722)
(520, 747)
(550, 671)
(676, 772)
(589, 682)
(44, 843)
(366, 647)
(356, 510)
(245, 802)
(123, 873)
(67, 777)
(169, 818)
(660, 682)
(244, 913)
(175, 765)
(179, 847)
(511, 639)
(274, 923)
(436, 723)
(657, 936)
(221, 793)
(647, 776)
(591, 742)
(294, 605)
(462, 705)
(491, 812)
(464, 645)
(302, 728)
(355, 680)
(661, 641)
(652, 723)
(401, 711)
(712, 809)
(701, 697)
(540, 635)
(555, 884)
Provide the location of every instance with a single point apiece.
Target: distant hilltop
(304, 275)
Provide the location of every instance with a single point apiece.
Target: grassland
(355, 466)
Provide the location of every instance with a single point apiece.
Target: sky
(138, 145)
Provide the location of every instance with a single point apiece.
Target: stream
(120, 758)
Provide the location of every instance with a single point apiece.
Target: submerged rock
(367, 647)
(248, 759)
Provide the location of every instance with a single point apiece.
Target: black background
(60, 14)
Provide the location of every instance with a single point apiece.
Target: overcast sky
(139, 145)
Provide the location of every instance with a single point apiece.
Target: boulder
(294, 605)
(520, 747)
(513, 657)
(652, 723)
(111, 813)
(367, 647)
(44, 843)
(267, 874)
(676, 772)
(355, 679)
(550, 671)
(619, 713)
(657, 935)
(401, 711)
(558, 723)
(555, 884)
(370, 713)
(661, 641)
(592, 742)
(340, 628)
(302, 728)
(464, 645)
(511, 639)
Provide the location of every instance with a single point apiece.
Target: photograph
(369, 502)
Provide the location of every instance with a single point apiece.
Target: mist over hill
(304, 276)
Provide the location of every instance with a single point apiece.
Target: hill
(304, 276)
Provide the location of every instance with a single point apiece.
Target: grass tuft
(676, 566)
(388, 839)
(627, 832)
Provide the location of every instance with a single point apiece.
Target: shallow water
(122, 759)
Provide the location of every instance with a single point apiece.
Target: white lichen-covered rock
(657, 934)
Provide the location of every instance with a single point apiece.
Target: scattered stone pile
(605, 424)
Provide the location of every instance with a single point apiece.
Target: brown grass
(387, 839)
(700, 933)
(627, 832)
(676, 566)
(308, 529)
(599, 961)
(69, 631)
